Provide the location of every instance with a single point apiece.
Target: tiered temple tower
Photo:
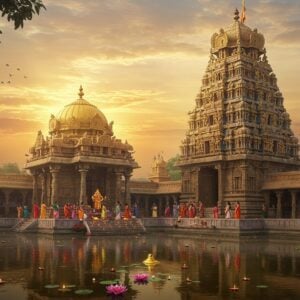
(159, 169)
(80, 155)
(239, 130)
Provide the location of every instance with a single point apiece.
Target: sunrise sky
(140, 61)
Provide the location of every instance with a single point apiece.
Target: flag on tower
(243, 15)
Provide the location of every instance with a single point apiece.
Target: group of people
(192, 210)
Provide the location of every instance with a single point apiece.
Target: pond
(47, 267)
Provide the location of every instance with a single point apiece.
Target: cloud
(15, 126)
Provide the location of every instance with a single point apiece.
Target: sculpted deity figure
(97, 199)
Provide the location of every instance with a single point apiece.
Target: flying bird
(10, 75)
(8, 81)
(7, 65)
(25, 77)
(2, 82)
(18, 69)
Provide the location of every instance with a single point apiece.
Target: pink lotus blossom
(140, 278)
(116, 290)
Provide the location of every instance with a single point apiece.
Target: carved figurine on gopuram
(97, 199)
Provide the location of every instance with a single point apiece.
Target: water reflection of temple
(215, 265)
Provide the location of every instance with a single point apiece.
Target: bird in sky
(7, 65)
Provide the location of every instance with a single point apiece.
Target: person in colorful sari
(43, 212)
(20, 211)
(36, 210)
(103, 212)
(154, 210)
(127, 213)
(175, 210)
(55, 208)
(201, 209)
(216, 212)
(227, 211)
(168, 211)
(80, 213)
(118, 211)
(135, 210)
(26, 212)
(237, 210)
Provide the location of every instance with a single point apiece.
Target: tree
(174, 172)
(19, 11)
(10, 168)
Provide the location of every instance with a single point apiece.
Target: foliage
(10, 168)
(174, 172)
(19, 11)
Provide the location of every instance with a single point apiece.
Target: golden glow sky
(140, 61)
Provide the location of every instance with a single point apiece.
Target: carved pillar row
(197, 185)
(108, 184)
(294, 197)
(83, 173)
(54, 170)
(127, 188)
(279, 209)
(220, 203)
(146, 200)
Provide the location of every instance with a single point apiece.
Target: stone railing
(8, 222)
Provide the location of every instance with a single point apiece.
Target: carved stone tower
(239, 130)
(159, 170)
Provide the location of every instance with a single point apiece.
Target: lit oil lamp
(150, 261)
(41, 268)
(94, 279)
(169, 277)
(188, 280)
(246, 278)
(2, 281)
(234, 288)
(113, 270)
(184, 266)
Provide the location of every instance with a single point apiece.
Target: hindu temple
(79, 156)
(239, 131)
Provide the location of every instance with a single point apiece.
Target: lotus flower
(116, 290)
(140, 278)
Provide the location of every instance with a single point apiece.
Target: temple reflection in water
(213, 266)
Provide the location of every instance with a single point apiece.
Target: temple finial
(81, 93)
(236, 15)
(243, 14)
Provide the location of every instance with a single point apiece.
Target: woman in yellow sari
(43, 211)
(103, 212)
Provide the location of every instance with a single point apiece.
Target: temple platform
(277, 228)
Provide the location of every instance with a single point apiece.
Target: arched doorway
(208, 186)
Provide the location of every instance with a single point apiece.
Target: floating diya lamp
(184, 266)
(116, 289)
(41, 268)
(234, 288)
(112, 269)
(188, 280)
(2, 281)
(246, 278)
(64, 288)
(169, 277)
(94, 279)
(150, 261)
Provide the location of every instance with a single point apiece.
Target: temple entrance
(208, 186)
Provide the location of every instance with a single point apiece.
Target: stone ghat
(277, 228)
(65, 226)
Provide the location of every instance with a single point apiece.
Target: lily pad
(121, 271)
(83, 292)
(262, 286)
(109, 282)
(51, 286)
(155, 279)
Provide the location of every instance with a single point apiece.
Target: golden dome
(79, 114)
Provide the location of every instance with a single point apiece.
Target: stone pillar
(34, 187)
(44, 187)
(197, 185)
(146, 201)
(160, 214)
(220, 188)
(278, 209)
(83, 172)
(127, 188)
(6, 202)
(54, 170)
(108, 184)
(294, 197)
(266, 195)
(118, 186)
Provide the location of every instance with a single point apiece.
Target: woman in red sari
(237, 210)
(36, 211)
(127, 213)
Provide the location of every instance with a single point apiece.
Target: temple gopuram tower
(239, 130)
(81, 154)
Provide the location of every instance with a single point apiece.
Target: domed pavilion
(80, 155)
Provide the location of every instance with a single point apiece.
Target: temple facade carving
(239, 130)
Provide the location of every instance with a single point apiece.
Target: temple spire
(81, 93)
(236, 15)
(243, 14)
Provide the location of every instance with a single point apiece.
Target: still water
(29, 263)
